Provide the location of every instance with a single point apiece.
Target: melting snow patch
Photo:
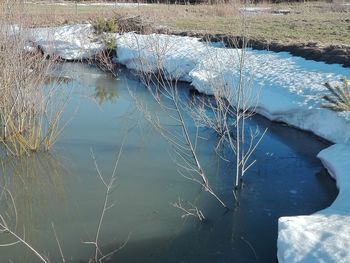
(70, 42)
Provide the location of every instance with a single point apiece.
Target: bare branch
(191, 211)
(58, 242)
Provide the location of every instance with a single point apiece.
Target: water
(62, 188)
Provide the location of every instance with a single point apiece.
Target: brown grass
(30, 106)
(320, 22)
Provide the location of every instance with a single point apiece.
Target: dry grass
(30, 106)
(320, 22)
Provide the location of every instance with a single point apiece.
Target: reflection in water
(104, 85)
(104, 91)
(148, 182)
(34, 181)
(57, 80)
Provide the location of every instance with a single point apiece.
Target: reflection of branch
(251, 247)
(29, 176)
(103, 94)
(191, 211)
(58, 242)
(116, 250)
(5, 228)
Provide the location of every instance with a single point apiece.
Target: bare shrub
(13, 232)
(31, 104)
(99, 255)
(189, 209)
(234, 102)
(133, 23)
(163, 86)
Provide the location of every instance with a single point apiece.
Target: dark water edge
(62, 187)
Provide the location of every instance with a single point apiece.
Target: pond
(62, 187)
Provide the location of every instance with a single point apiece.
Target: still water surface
(62, 187)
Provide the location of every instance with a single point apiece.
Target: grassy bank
(320, 22)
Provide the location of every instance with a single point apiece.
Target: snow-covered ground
(290, 90)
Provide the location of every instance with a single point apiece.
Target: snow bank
(324, 236)
(70, 42)
(290, 90)
(177, 55)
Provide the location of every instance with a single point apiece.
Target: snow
(255, 9)
(290, 90)
(71, 42)
(145, 52)
(261, 10)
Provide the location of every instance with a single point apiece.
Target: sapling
(339, 99)
(163, 86)
(233, 103)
